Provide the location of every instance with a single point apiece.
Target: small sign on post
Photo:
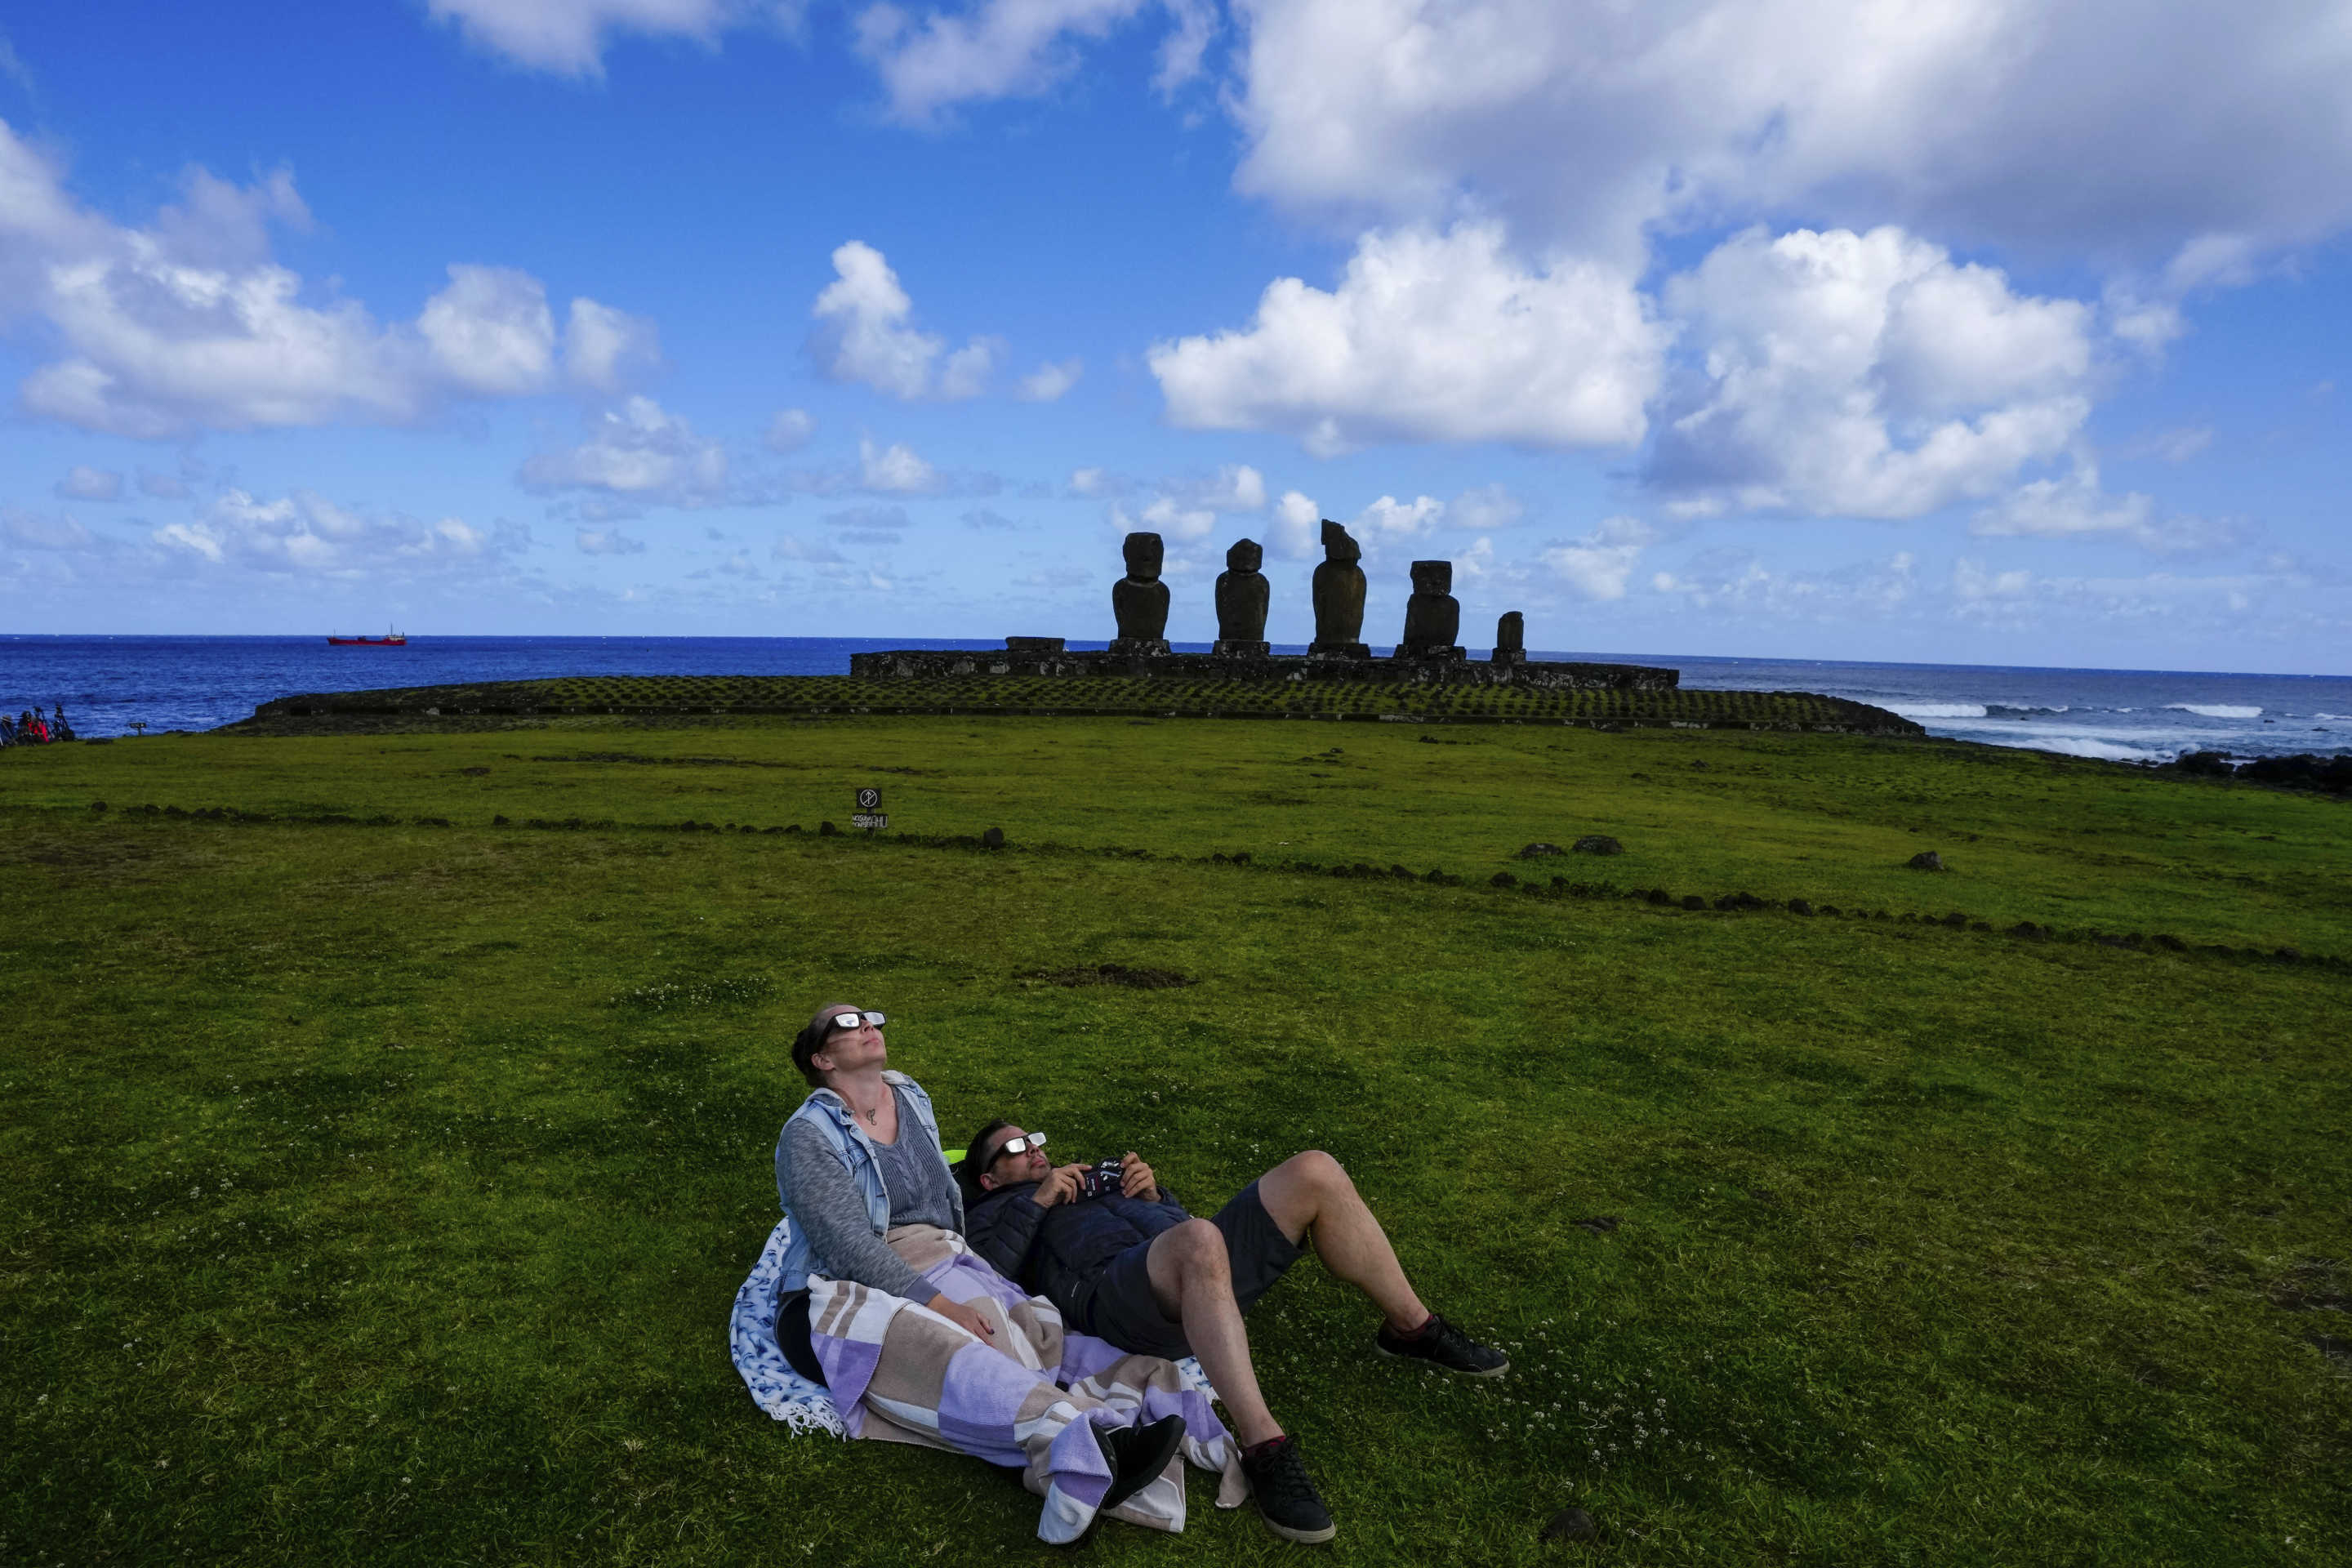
(869, 814)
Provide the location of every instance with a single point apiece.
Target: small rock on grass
(1926, 860)
(1597, 844)
(1532, 850)
(1570, 1525)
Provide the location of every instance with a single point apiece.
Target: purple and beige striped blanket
(899, 1372)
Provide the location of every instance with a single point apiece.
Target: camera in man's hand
(1104, 1180)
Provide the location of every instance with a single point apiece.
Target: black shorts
(1120, 1307)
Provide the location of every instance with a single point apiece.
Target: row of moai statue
(1433, 617)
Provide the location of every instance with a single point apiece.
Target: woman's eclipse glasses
(851, 1020)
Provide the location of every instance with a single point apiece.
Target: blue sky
(1958, 332)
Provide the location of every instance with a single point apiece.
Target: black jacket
(1053, 1252)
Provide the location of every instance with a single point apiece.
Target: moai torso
(1140, 599)
(1511, 638)
(1243, 595)
(1339, 589)
(1433, 617)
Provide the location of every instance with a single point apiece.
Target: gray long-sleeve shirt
(826, 1203)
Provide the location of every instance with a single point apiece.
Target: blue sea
(107, 683)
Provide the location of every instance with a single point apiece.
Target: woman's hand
(964, 1317)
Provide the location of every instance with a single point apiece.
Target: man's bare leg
(1194, 1281)
(1313, 1190)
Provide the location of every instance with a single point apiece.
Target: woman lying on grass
(916, 1339)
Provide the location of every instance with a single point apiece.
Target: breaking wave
(1935, 709)
(2215, 710)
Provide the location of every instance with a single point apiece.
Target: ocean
(107, 683)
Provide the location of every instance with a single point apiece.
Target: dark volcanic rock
(993, 839)
(1801, 906)
(1693, 901)
(1532, 850)
(1597, 844)
(1926, 860)
(1570, 1525)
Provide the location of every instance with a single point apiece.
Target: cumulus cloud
(1734, 582)
(491, 331)
(637, 453)
(1297, 525)
(569, 37)
(1388, 518)
(1430, 336)
(605, 349)
(306, 534)
(789, 431)
(34, 530)
(1864, 376)
(605, 541)
(2074, 506)
(791, 547)
(999, 48)
(1599, 564)
(85, 483)
(895, 470)
(188, 325)
(1048, 383)
(865, 333)
(1590, 124)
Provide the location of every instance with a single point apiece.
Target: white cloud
(789, 431)
(999, 49)
(569, 37)
(1862, 374)
(1168, 518)
(305, 534)
(491, 331)
(864, 335)
(1389, 518)
(1485, 509)
(32, 531)
(84, 483)
(605, 349)
(637, 453)
(2074, 506)
(1048, 383)
(605, 541)
(1429, 337)
(791, 547)
(1098, 482)
(1599, 566)
(2134, 126)
(188, 325)
(895, 470)
(1735, 582)
(1297, 526)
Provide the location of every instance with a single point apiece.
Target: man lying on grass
(1125, 1262)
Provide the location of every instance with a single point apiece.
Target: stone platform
(1035, 656)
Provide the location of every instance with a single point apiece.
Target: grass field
(380, 1189)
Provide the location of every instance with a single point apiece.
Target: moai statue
(1242, 596)
(1140, 599)
(1338, 597)
(1433, 617)
(1511, 638)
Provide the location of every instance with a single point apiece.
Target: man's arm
(1003, 1231)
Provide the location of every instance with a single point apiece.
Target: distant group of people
(35, 727)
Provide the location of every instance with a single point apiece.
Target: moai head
(1511, 631)
(1246, 555)
(1337, 546)
(1432, 576)
(1143, 556)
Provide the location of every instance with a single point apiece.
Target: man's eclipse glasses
(851, 1020)
(1018, 1146)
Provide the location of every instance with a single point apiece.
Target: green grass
(379, 1191)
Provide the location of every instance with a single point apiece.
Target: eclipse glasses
(851, 1020)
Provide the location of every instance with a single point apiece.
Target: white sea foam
(2102, 751)
(1935, 709)
(2215, 710)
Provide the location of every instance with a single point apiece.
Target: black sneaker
(1137, 1455)
(1441, 1345)
(1286, 1498)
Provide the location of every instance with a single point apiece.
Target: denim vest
(830, 1114)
